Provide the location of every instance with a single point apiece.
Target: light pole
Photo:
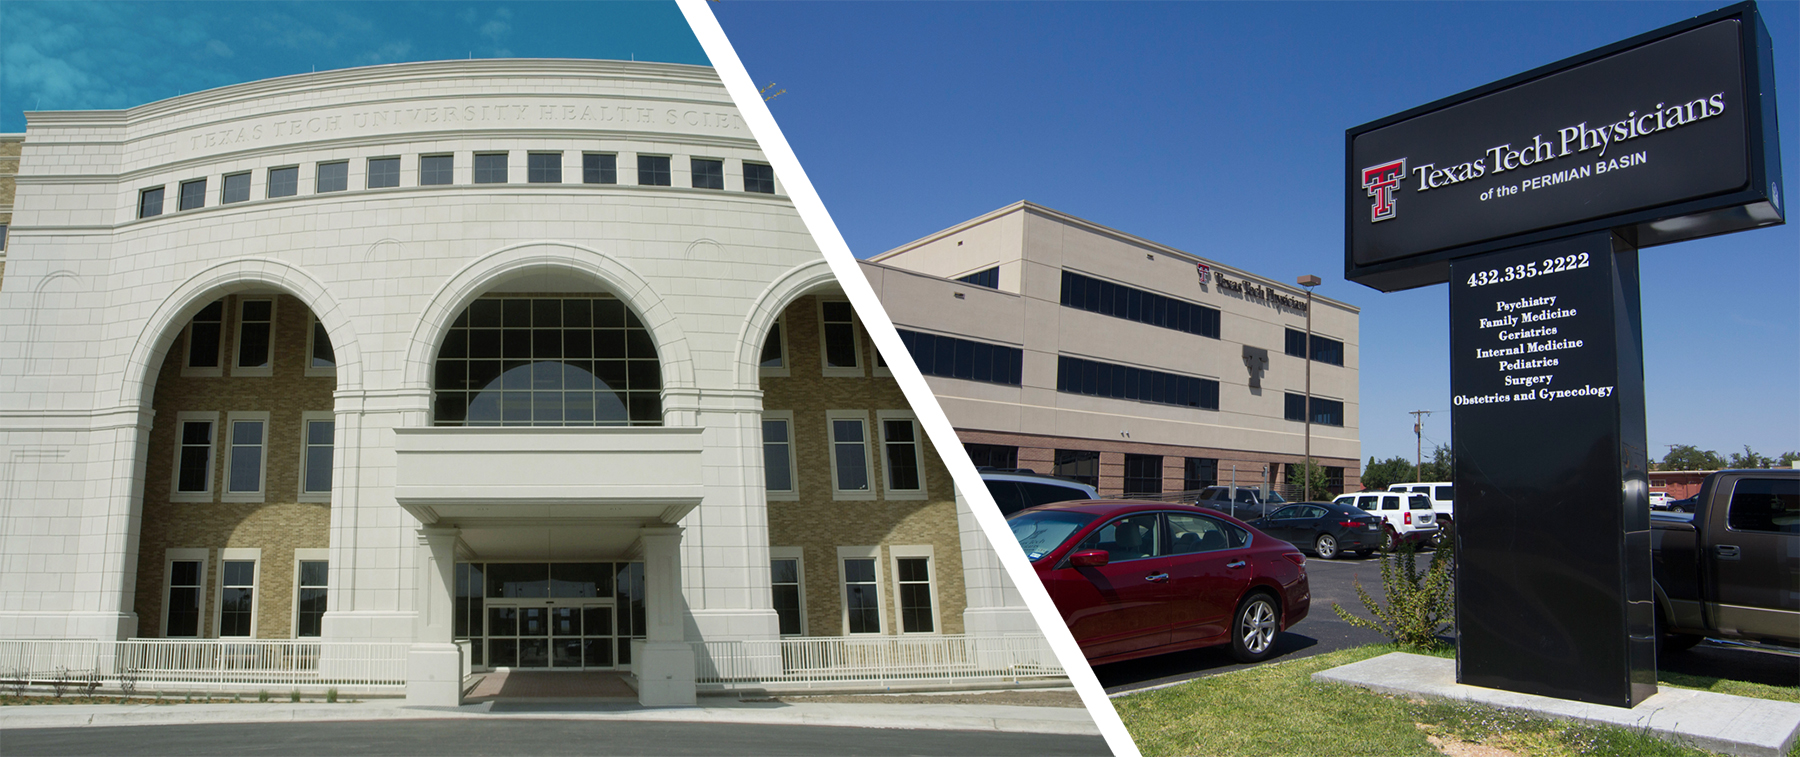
(1306, 472)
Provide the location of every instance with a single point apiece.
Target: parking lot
(1334, 581)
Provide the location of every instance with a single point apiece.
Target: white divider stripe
(755, 113)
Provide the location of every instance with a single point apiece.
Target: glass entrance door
(570, 634)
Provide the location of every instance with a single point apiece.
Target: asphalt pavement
(1331, 582)
(502, 736)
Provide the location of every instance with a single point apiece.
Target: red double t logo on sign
(1381, 182)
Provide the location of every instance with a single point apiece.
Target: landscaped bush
(1420, 606)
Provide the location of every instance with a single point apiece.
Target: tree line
(1690, 457)
(1437, 467)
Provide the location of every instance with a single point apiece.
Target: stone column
(434, 664)
(664, 663)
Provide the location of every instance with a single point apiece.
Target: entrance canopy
(571, 491)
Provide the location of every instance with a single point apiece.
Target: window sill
(243, 498)
(855, 495)
(781, 496)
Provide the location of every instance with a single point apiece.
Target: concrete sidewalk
(941, 717)
(1720, 722)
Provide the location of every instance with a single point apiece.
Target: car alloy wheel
(1253, 631)
(1389, 540)
(1326, 546)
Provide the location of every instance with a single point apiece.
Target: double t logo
(1381, 182)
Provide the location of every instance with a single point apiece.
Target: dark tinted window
(332, 177)
(707, 174)
(490, 168)
(284, 182)
(1080, 376)
(1324, 349)
(989, 277)
(1765, 504)
(1078, 464)
(759, 177)
(653, 170)
(237, 188)
(435, 170)
(1120, 301)
(599, 168)
(951, 357)
(193, 194)
(1199, 473)
(1325, 412)
(543, 168)
(993, 455)
(150, 202)
(384, 172)
(1143, 474)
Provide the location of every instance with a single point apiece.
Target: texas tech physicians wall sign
(1660, 138)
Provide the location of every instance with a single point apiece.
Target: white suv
(1409, 516)
(1442, 494)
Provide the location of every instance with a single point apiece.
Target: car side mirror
(1091, 558)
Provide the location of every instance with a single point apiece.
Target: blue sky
(69, 56)
(1217, 128)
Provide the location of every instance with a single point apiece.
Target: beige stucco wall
(1250, 424)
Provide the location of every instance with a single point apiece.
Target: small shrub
(187, 698)
(262, 696)
(1420, 605)
(294, 696)
(331, 695)
(61, 681)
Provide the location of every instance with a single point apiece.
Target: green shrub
(294, 696)
(331, 695)
(262, 696)
(1420, 605)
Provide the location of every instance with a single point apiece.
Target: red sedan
(1134, 578)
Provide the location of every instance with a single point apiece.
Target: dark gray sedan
(1329, 529)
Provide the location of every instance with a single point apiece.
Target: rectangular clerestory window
(193, 194)
(437, 170)
(383, 173)
(653, 170)
(543, 168)
(759, 178)
(332, 177)
(150, 202)
(235, 188)
(599, 168)
(706, 173)
(284, 182)
(490, 168)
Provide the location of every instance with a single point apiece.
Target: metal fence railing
(148, 665)
(875, 662)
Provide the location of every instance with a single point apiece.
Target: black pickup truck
(1731, 569)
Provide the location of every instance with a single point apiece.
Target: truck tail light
(1409, 519)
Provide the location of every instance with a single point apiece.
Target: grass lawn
(1278, 709)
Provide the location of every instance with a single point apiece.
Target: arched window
(548, 361)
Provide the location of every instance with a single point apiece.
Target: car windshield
(1275, 499)
(1041, 532)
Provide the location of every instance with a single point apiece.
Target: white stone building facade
(373, 210)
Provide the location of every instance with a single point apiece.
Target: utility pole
(1306, 471)
(1419, 443)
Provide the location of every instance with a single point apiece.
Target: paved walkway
(953, 717)
(540, 684)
